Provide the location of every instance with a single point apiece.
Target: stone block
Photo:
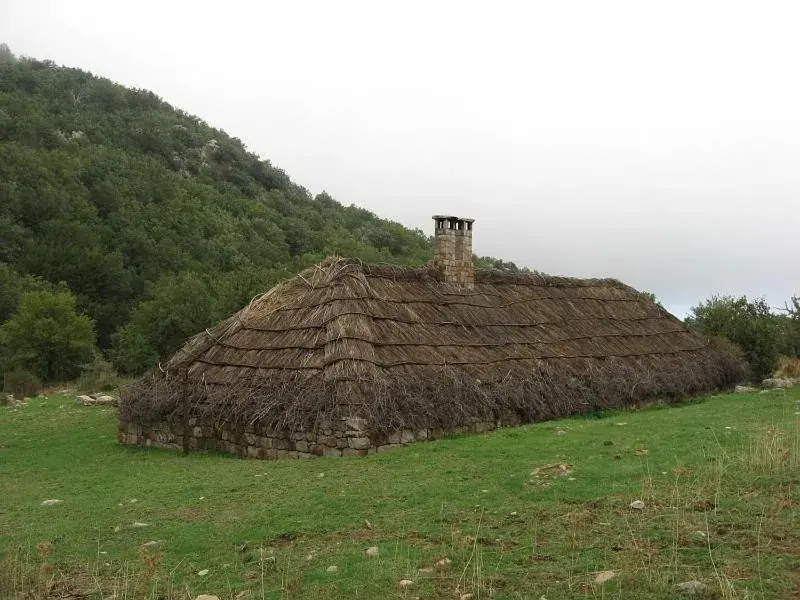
(197, 432)
(422, 434)
(304, 455)
(358, 443)
(406, 436)
(394, 438)
(253, 452)
(302, 446)
(280, 443)
(331, 452)
(387, 447)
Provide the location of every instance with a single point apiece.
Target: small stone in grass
(443, 563)
(151, 543)
(139, 524)
(637, 505)
(203, 573)
(332, 569)
(466, 596)
(51, 502)
(372, 551)
(404, 584)
(604, 576)
(692, 588)
(425, 569)
(206, 597)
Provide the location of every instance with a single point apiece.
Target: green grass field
(532, 512)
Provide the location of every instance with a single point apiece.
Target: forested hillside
(156, 222)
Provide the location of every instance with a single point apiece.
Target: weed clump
(98, 376)
(21, 384)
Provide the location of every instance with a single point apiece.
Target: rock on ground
(777, 382)
(692, 588)
(332, 569)
(372, 551)
(93, 399)
(637, 505)
(206, 597)
(744, 389)
(404, 584)
(604, 576)
(51, 502)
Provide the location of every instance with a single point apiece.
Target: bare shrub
(21, 384)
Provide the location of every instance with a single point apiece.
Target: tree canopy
(47, 337)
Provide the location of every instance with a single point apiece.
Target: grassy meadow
(539, 511)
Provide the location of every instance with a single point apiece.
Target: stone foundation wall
(347, 437)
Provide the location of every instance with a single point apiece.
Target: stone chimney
(453, 249)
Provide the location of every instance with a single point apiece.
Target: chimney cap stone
(453, 217)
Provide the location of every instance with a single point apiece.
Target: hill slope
(160, 224)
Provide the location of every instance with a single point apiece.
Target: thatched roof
(399, 347)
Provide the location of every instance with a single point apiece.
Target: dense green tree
(47, 336)
(747, 323)
(13, 286)
(790, 327)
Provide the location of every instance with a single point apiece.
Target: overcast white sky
(654, 142)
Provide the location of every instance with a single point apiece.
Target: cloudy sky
(654, 142)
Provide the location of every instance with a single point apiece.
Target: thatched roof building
(346, 351)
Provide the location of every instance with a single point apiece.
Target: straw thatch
(402, 349)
